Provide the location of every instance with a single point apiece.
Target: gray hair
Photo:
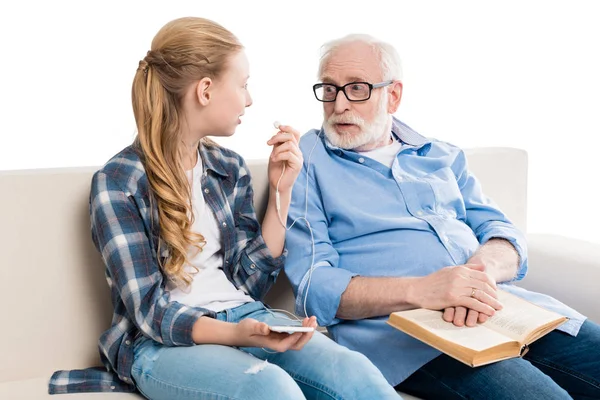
(391, 66)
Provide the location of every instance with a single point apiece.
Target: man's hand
(460, 316)
(502, 252)
(466, 286)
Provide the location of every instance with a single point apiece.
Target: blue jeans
(557, 366)
(321, 370)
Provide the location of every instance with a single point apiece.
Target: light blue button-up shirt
(424, 213)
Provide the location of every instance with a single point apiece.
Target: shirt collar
(211, 159)
(408, 135)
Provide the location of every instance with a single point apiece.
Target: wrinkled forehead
(352, 62)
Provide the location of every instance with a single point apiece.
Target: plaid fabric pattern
(124, 224)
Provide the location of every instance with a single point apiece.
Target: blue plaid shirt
(125, 231)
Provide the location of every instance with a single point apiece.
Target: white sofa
(57, 302)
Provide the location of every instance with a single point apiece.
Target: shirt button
(112, 388)
(253, 266)
(128, 342)
(361, 160)
(224, 224)
(206, 191)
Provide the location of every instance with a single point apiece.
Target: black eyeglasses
(354, 91)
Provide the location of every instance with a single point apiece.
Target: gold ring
(473, 293)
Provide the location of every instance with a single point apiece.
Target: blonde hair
(391, 66)
(183, 51)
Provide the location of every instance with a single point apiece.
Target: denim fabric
(321, 370)
(557, 366)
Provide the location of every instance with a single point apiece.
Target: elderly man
(388, 220)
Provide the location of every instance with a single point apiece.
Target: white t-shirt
(210, 287)
(386, 154)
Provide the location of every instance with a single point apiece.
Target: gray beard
(372, 134)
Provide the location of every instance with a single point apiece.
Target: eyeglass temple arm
(382, 84)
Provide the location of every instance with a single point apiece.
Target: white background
(514, 73)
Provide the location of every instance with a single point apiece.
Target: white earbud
(276, 124)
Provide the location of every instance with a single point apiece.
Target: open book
(505, 335)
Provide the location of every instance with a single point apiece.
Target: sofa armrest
(567, 269)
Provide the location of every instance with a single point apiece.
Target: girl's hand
(286, 154)
(252, 333)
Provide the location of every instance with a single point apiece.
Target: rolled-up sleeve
(484, 217)
(317, 281)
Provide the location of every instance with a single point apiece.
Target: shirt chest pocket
(437, 192)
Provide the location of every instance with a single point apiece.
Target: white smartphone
(291, 328)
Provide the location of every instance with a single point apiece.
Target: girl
(186, 260)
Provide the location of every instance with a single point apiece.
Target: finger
(471, 303)
(471, 272)
(289, 129)
(460, 313)
(482, 286)
(291, 159)
(469, 279)
(287, 342)
(483, 277)
(281, 147)
(312, 322)
(298, 153)
(482, 318)
(286, 146)
(448, 315)
(277, 153)
(482, 281)
(274, 341)
(483, 297)
(277, 337)
(472, 317)
(305, 338)
(294, 150)
(260, 328)
(282, 137)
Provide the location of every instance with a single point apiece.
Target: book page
(518, 317)
(477, 338)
